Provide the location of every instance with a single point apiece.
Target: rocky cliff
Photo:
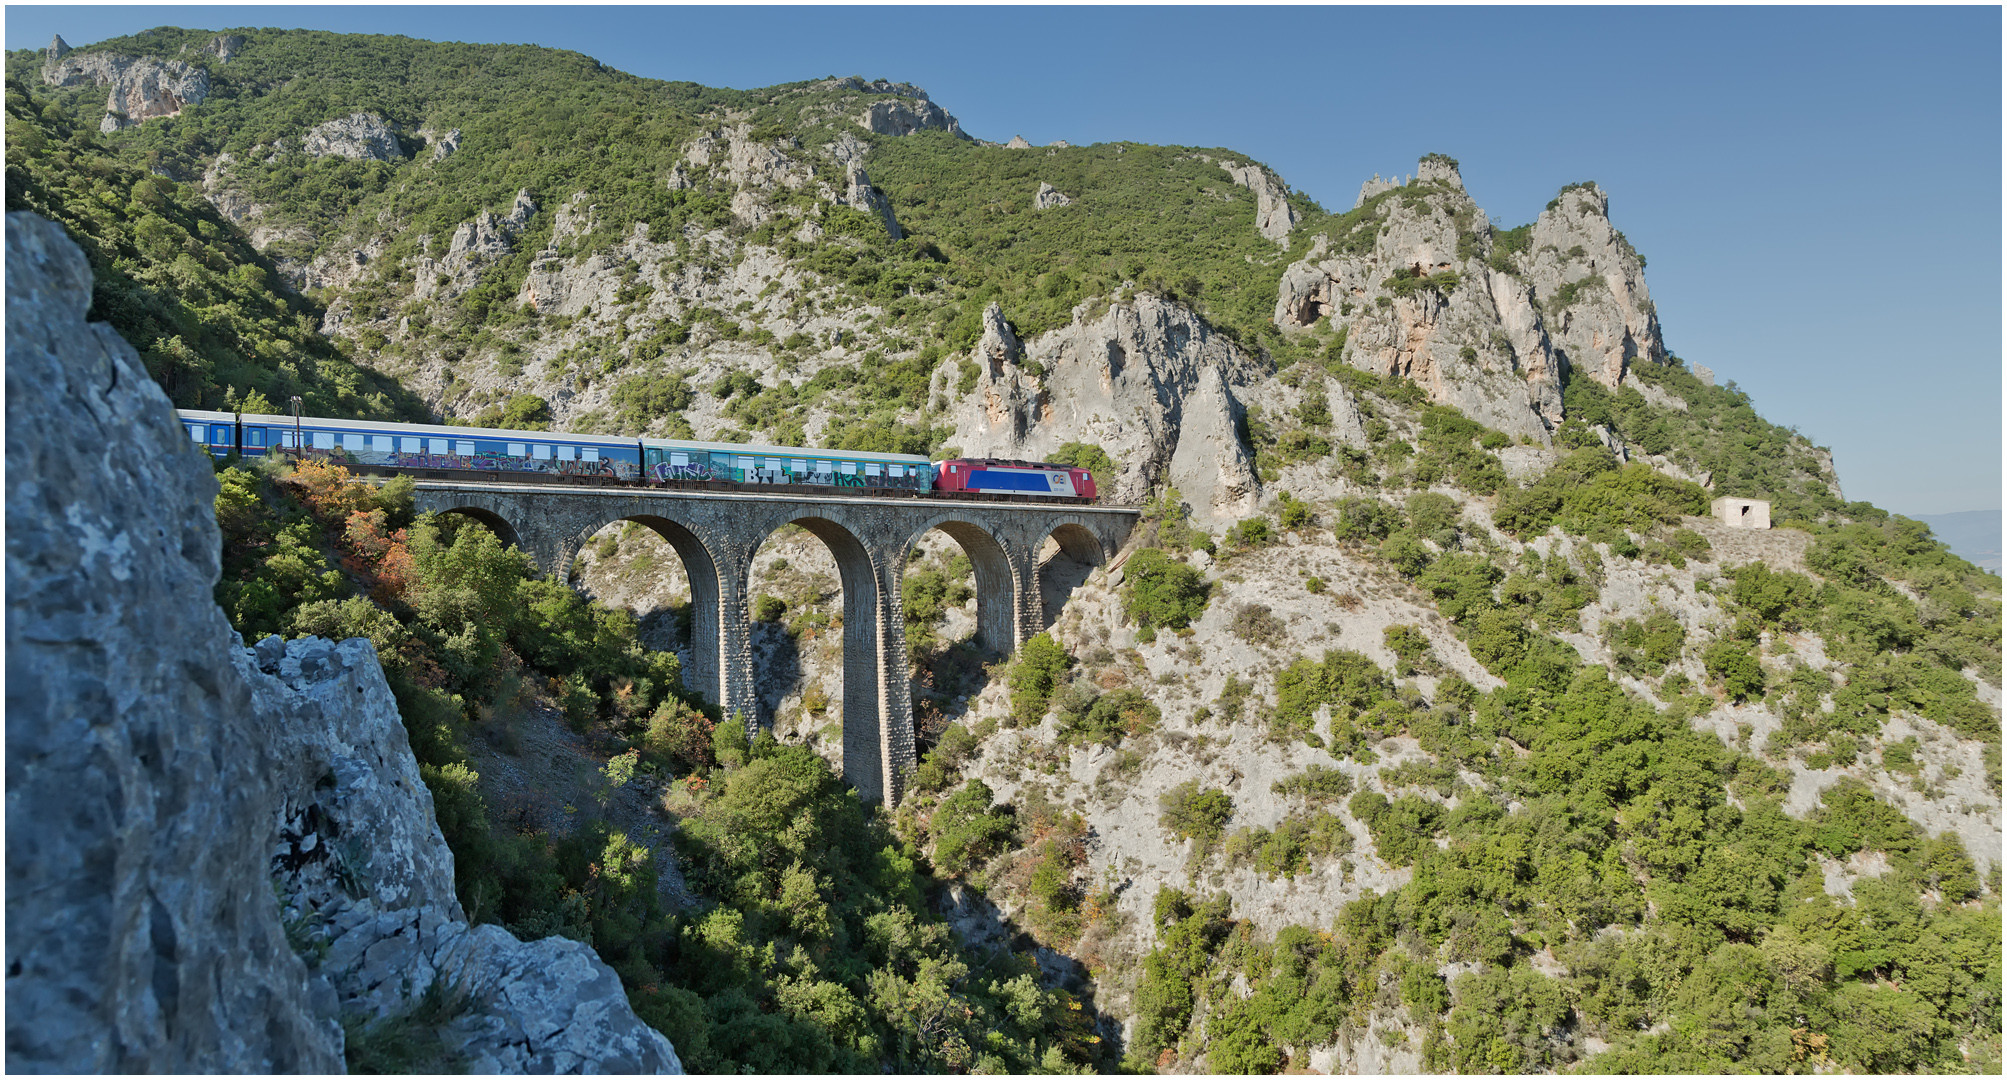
(1147, 380)
(218, 859)
(1491, 322)
(142, 88)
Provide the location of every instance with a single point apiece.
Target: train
(439, 452)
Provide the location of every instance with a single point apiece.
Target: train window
(822, 468)
(286, 440)
(323, 440)
(849, 468)
(254, 437)
(743, 463)
(220, 435)
(382, 444)
(351, 441)
(895, 470)
(541, 451)
(195, 432)
(438, 446)
(798, 465)
(872, 468)
(678, 460)
(588, 454)
(411, 445)
(517, 449)
(567, 453)
(463, 449)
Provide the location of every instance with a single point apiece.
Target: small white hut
(1742, 513)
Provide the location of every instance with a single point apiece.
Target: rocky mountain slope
(1426, 723)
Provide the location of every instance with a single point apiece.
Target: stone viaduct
(717, 533)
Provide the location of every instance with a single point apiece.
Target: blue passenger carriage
(443, 449)
(215, 432)
(736, 463)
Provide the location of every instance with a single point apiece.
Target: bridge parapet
(716, 534)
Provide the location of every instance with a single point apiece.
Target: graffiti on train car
(484, 461)
(663, 470)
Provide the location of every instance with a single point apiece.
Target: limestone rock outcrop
(224, 46)
(142, 88)
(142, 934)
(999, 344)
(181, 808)
(443, 144)
(849, 152)
(1416, 296)
(1273, 215)
(474, 245)
(1147, 380)
(362, 136)
(1049, 197)
(356, 810)
(1373, 187)
(1590, 284)
(906, 115)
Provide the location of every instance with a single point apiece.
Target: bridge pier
(716, 535)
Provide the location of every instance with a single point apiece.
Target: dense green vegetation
(1718, 433)
(815, 949)
(1161, 217)
(182, 284)
(1688, 911)
(1624, 810)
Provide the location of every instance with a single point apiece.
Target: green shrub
(1733, 666)
(1088, 456)
(1365, 519)
(1163, 592)
(1646, 646)
(1402, 829)
(1316, 784)
(1034, 675)
(1192, 812)
(967, 832)
(1412, 646)
(1109, 718)
(1257, 625)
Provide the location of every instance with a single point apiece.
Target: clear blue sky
(1818, 190)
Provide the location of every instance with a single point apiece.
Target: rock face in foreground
(179, 807)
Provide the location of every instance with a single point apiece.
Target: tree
(966, 831)
(1735, 668)
(1033, 676)
(1163, 592)
(1190, 811)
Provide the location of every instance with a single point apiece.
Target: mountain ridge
(1425, 708)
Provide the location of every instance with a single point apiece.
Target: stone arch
(1068, 553)
(996, 580)
(496, 523)
(874, 678)
(707, 645)
(1079, 543)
